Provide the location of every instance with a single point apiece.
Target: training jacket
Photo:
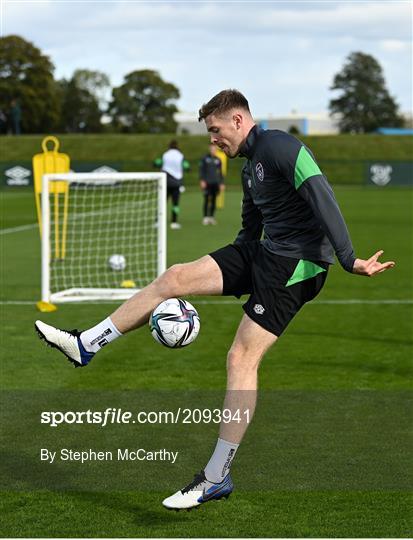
(287, 196)
(210, 170)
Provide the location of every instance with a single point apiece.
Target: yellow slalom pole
(224, 168)
(220, 201)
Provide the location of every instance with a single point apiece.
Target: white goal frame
(79, 294)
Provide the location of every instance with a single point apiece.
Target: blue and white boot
(66, 341)
(199, 491)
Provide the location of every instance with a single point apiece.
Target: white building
(306, 124)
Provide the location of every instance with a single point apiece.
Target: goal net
(103, 234)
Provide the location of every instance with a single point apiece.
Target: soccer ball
(117, 262)
(174, 323)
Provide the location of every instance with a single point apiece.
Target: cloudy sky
(282, 55)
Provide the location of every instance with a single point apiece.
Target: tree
(79, 109)
(26, 75)
(82, 101)
(365, 103)
(94, 82)
(144, 103)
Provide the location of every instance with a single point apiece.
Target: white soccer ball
(117, 262)
(174, 323)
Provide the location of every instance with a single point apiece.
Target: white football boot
(66, 341)
(199, 491)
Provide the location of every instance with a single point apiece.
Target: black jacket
(210, 169)
(287, 196)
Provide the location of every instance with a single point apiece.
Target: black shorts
(278, 286)
(174, 193)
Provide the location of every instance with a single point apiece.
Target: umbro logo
(17, 176)
(259, 309)
(105, 169)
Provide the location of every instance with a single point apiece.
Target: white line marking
(18, 229)
(334, 302)
(351, 301)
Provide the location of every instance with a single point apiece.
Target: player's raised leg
(214, 482)
(202, 277)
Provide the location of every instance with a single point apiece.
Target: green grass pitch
(342, 367)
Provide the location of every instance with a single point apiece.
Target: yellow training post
(48, 162)
(224, 168)
(220, 201)
(52, 161)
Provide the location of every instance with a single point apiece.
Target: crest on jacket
(259, 169)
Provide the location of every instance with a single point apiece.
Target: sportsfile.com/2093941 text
(112, 416)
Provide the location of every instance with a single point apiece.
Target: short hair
(173, 144)
(224, 102)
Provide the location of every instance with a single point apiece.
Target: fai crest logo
(259, 169)
(381, 174)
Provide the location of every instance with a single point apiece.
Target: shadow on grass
(128, 503)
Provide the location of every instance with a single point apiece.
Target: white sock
(219, 464)
(100, 335)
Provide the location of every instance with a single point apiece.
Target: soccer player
(287, 197)
(173, 164)
(211, 182)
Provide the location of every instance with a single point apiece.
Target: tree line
(31, 100)
(143, 103)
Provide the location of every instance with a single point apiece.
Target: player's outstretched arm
(372, 266)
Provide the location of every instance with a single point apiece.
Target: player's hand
(203, 184)
(372, 266)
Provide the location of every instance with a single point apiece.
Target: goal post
(101, 215)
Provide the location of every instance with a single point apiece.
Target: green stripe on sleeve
(305, 167)
(304, 270)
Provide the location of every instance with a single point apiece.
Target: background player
(173, 165)
(287, 197)
(211, 181)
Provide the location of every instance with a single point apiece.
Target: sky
(282, 55)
